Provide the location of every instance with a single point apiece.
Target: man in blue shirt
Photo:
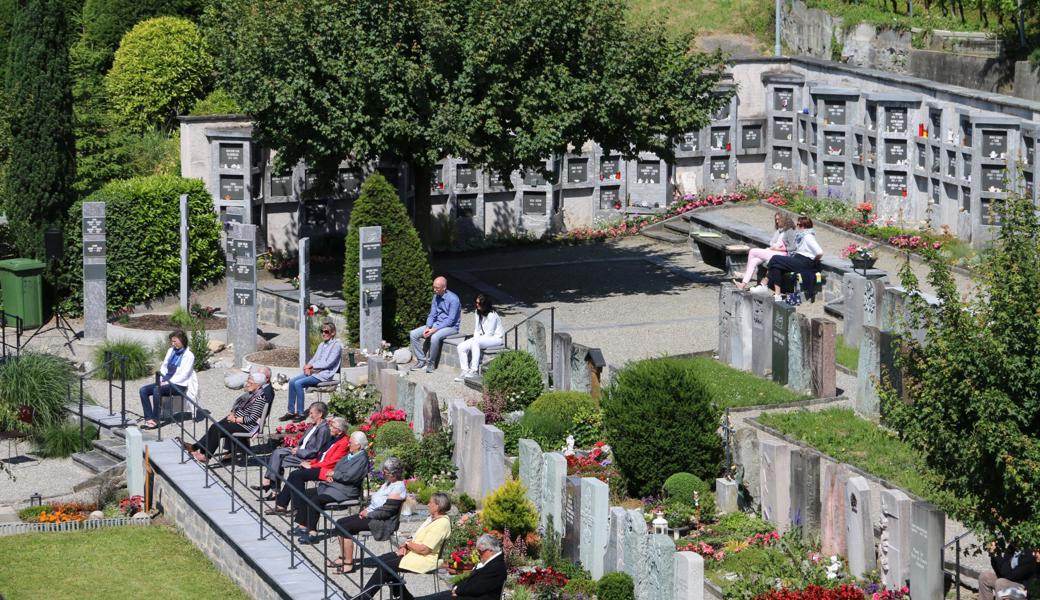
(445, 314)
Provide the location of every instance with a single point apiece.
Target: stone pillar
(927, 533)
(185, 261)
(595, 523)
(868, 373)
(832, 526)
(824, 338)
(689, 576)
(243, 276)
(370, 327)
(894, 546)
(134, 462)
(95, 284)
(776, 483)
(761, 332)
(562, 347)
(859, 525)
(571, 518)
(799, 354)
(726, 493)
(431, 412)
(615, 557)
(304, 249)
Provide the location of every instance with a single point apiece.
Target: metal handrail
(237, 446)
(17, 347)
(515, 330)
(957, 559)
(110, 358)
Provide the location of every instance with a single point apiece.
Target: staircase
(673, 231)
(107, 454)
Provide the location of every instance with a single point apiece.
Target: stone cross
(894, 545)
(927, 536)
(95, 284)
(859, 524)
(531, 470)
(554, 475)
(824, 338)
(868, 374)
(761, 332)
(304, 298)
(594, 525)
(243, 276)
(185, 285)
(370, 271)
(689, 576)
(832, 527)
(776, 483)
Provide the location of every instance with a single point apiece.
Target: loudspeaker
(53, 243)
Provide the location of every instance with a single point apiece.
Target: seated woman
(317, 470)
(323, 366)
(381, 516)
(341, 484)
(176, 376)
(803, 261)
(245, 414)
(417, 555)
(487, 333)
(782, 244)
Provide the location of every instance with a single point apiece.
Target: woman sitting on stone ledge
(804, 261)
(782, 244)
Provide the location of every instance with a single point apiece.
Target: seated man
(443, 321)
(324, 365)
(341, 484)
(417, 555)
(488, 577)
(244, 417)
(1013, 569)
(312, 443)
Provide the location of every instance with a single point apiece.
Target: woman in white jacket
(176, 375)
(487, 333)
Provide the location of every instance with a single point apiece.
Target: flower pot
(862, 264)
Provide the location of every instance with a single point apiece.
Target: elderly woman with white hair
(342, 484)
(245, 414)
(316, 470)
(380, 517)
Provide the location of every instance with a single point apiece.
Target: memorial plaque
(242, 249)
(895, 120)
(495, 179)
(722, 112)
(244, 297)
(687, 142)
(935, 156)
(782, 130)
(609, 198)
(834, 143)
(992, 179)
(375, 297)
(94, 272)
(895, 183)
(751, 136)
(783, 99)
(935, 118)
(371, 250)
(648, 172)
(936, 191)
(465, 177)
(988, 213)
(610, 168)
(466, 205)
(922, 156)
(577, 170)
(533, 177)
(94, 249)
(951, 164)
(231, 215)
(834, 173)
(349, 181)
(93, 225)
(232, 187)
(243, 271)
(895, 152)
(372, 275)
(782, 158)
(1030, 144)
(315, 214)
(534, 203)
(231, 157)
(720, 168)
(834, 112)
(281, 186)
(720, 139)
(994, 144)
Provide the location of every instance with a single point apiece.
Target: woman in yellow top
(418, 554)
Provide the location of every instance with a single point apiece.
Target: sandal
(277, 510)
(343, 570)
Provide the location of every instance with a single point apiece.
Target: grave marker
(554, 474)
(824, 338)
(594, 523)
(894, 546)
(833, 534)
(493, 459)
(799, 354)
(572, 518)
(689, 576)
(859, 525)
(655, 578)
(868, 402)
(473, 452)
(805, 492)
(635, 541)
(95, 284)
(536, 345)
(726, 493)
(134, 462)
(927, 533)
(243, 276)
(782, 316)
(726, 306)
(740, 337)
(749, 458)
(761, 332)
(562, 347)
(775, 478)
(615, 556)
(370, 271)
(531, 470)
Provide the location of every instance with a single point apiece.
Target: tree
(503, 84)
(42, 164)
(974, 410)
(406, 268)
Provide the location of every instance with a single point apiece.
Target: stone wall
(1027, 81)
(976, 72)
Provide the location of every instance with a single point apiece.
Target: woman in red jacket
(315, 470)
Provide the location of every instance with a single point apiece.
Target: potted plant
(862, 257)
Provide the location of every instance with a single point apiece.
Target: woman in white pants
(487, 333)
(781, 245)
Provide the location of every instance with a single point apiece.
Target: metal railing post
(122, 389)
(552, 333)
(108, 374)
(82, 436)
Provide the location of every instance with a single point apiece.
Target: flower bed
(633, 225)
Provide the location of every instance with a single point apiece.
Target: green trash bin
(20, 279)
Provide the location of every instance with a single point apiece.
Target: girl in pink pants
(777, 247)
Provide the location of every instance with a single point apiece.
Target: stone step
(95, 461)
(678, 226)
(665, 235)
(112, 446)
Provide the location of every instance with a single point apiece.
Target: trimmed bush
(551, 417)
(161, 70)
(659, 419)
(583, 586)
(142, 218)
(406, 267)
(508, 508)
(616, 586)
(60, 440)
(138, 359)
(683, 485)
(391, 435)
(218, 102)
(515, 375)
(39, 382)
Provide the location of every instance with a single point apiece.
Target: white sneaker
(756, 287)
(462, 376)
(778, 298)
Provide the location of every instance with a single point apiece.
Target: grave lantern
(36, 499)
(660, 523)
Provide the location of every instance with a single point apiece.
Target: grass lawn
(846, 356)
(116, 562)
(750, 17)
(839, 433)
(735, 389)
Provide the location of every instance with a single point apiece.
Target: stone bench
(450, 352)
(722, 252)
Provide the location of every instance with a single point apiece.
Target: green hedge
(515, 375)
(143, 218)
(407, 278)
(551, 417)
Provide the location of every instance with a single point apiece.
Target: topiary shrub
(406, 267)
(659, 419)
(683, 485)
(580, 588)
(161, 69)
(616, 586)
(508, 508)
(391, 435)
(515, 375)
(142, 218)
(218, 102)
(138, 359)
(551, 417)
(33, 391)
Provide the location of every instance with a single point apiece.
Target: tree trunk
(982, 14)
(421, 217)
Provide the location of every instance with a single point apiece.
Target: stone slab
(775, 479)
(689, 576)
(859, 527)
(594, 525)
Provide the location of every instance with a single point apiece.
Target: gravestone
(615, 556)
(562, 347)
(388, 387)
(572, 518)
(636, 539)
(243, 277)
(740, 328)
(888, 371)
(749, 458)
(833, 534)
(873, 302)
(868, 372)
(927, 535)
(689, 576)
(370, 271)
(726, 493)
(232, 215)
(471, 466)
(594, 525)
(894, 545)
(554, 475)
(431, 413)
(824, 338)
(655, 578)
(859, 526)
(405, 396)
(134, 462)
(418, 414)
(303, 299)
(375, 367)
(775, 478)
(185, 259)
(805, 492)
(531, 470)
(799, 354)
(782, 316)
(493, 459)
(536, 345)
(726, 307)
(95, 272)
(761, 332)
(853, 304)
